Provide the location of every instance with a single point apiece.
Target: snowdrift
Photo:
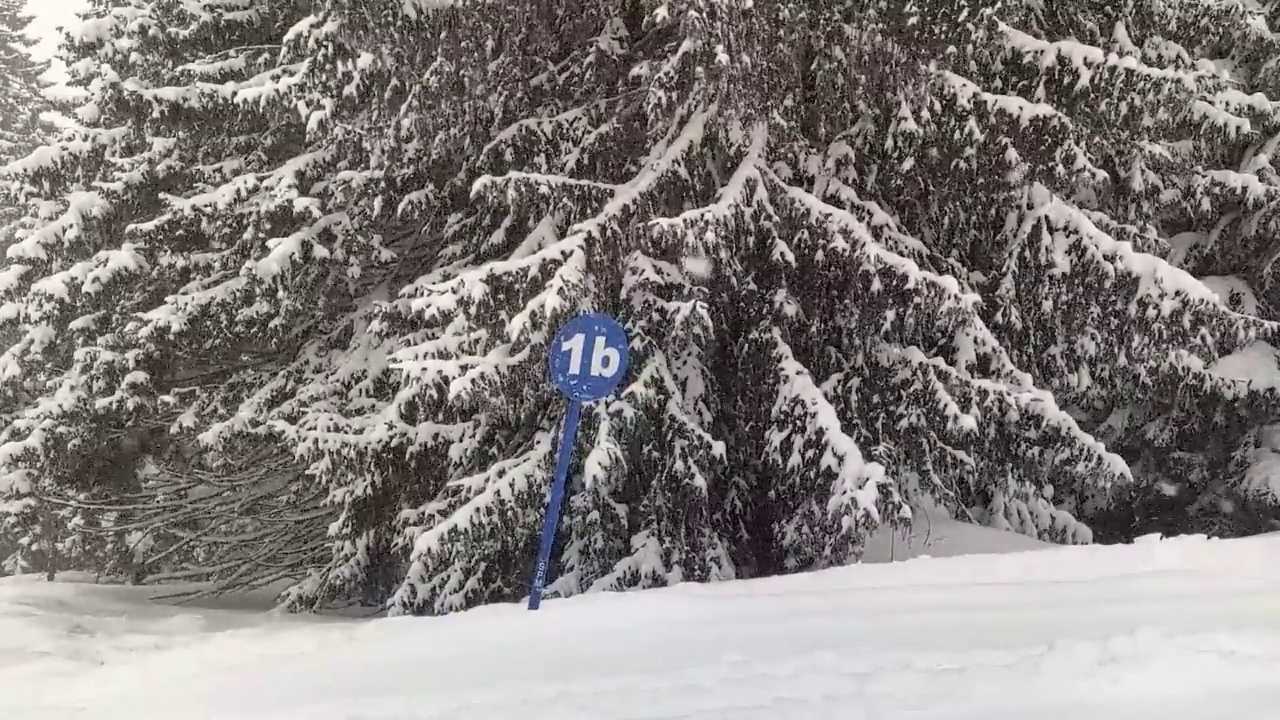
(1175, 629)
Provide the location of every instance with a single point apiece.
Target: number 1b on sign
(589, 357)
(604, 359)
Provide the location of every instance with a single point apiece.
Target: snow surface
(49, 16)
(1182, 629)
(1256, 365)
(1262, 476)
(1226, 286)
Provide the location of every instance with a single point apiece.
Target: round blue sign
(589, 357)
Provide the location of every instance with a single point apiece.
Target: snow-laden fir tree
(867, 253)
(21, 98)
(1177, 141)
(21, 129)
(1211, 460)
(179, 247)
(1083, 124)
(839, 236)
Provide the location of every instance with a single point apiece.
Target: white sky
(49, 15)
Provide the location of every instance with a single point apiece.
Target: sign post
(588, 359)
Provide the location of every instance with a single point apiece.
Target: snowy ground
(1174, 630)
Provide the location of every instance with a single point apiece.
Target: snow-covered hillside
(1171, 630)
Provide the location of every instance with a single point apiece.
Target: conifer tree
(1189, 171)
(1208, 465)
(835, 360)
(176, 245)
(867, 253)
(590, 165)
(21, 130)
(21, 99)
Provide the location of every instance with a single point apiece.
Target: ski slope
(1183, 629)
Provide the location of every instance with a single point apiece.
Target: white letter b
(604, 360)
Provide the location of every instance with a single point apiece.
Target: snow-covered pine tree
(178, 249)
(21, 129)
(807, 361)
(1051, 153)
(853, 174)
(864, 250)
(1211, 462)
(1144, 82)
(21, 100)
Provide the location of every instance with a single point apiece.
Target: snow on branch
(807, 442)
(732, 196)
(468, 509)
(74, 146)
(1084, 58)
(437, 298)
(94, 274)
(1015, 107)
(1249, 187)
(65, 225)
(1065, 223)
(1028, 401)
(843, 224)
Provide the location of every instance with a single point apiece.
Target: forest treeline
(277, 294)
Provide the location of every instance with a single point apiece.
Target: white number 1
(575, 345)
(604, 360)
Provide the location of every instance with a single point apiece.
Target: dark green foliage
(870, 255)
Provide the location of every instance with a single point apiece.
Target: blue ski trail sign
(588, 360)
